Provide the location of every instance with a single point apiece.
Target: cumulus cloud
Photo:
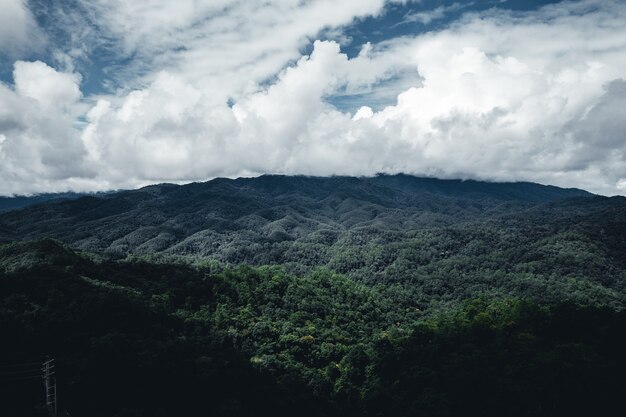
(499, 95)
(40, 149)
(51, 89)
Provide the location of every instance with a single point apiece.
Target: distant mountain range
(182, 219)
(18, 202)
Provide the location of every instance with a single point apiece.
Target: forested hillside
(134, 338)
(231, 219)
(442, 240)
(384, 296)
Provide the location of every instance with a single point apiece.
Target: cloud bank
(499, 95)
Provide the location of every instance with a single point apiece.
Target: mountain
(267, 209)
(384, 296)
(18, 202)
(444, 239)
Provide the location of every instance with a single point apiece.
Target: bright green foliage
(154, 337)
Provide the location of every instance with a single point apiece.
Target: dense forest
(384, 296)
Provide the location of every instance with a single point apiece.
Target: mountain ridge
(226, 218)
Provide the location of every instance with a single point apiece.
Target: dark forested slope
(222, 217)
(135, 338)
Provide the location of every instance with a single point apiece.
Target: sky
(112, 94)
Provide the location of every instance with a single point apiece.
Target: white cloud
(39, 148)
(50, 88)
(503, 96)
(227, 47)
(18, 29)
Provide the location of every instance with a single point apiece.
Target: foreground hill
(137, 338)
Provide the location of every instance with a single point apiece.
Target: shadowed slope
(197, 217)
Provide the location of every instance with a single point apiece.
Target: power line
(20, 371)
(20, 365)
(21, 378)
(26, 371)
